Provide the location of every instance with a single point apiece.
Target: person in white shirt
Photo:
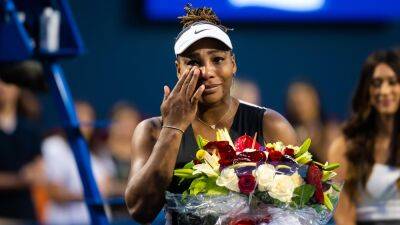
(64, 185)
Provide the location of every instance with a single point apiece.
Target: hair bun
(194, 15)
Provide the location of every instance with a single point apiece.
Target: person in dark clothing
(20, 162)
(199, 103)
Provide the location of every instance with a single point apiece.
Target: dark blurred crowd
(39, 179)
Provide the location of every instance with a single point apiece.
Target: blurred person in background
(20, 157)
(369, 149)
(64, 185)
(246, 90)
(124, 119)
(304, 112)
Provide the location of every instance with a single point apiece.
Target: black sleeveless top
(248, 120)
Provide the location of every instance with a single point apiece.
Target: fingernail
(196, 72)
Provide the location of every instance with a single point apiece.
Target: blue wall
(131, 60)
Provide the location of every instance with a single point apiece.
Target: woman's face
(9, 93)
(124, 123)
(216, 65)
(86, 117)
(385, 90)
(303, 102)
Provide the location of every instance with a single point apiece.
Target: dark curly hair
(194, 15)
(360, 131)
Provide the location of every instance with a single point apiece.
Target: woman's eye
(393, 82)
(218, 59)
(192, 63)
(376, 83)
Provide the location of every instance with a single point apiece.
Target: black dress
(17, 149)
(248, 120)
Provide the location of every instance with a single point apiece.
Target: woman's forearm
(145, 191)
(346, 211)
(10, 180)
(59, 194)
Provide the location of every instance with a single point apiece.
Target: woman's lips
(386, 102)
(211, 88)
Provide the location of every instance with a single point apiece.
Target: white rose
(265, 176)
(297, 180)
(282, 188)
(228, 179)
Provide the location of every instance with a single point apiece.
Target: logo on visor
(198, 31)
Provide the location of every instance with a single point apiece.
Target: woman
(199, 103)
(368, 149)
(64, 185)
(124, 119)
(20, 160)
(304, 112)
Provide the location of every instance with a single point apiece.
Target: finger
(167, 91)
(193, 82)
(181, 80)
(187, 80)
(197, 95)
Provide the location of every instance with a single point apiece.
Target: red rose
(289, 151)
(244, 142)
(247, 183)
(226, 152)
(314, 177)
(275, 155)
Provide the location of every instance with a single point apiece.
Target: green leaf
(181, 180)
(264, 197)
(319, 208)
(184, 173)
(304, 147)
(331, 166)
(189, 165)
(214, 189)
(305, 158)
(302, 194)
(198, 185)
(267, 199)
(336, 187)
(327, 202)
(327, 175)
(201, 142)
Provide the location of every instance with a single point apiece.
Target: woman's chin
(210, 99)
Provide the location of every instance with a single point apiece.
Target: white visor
(198, 31)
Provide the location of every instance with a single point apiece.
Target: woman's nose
(385, 88)
(206, 71)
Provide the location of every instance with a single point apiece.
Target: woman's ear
(178, 68)
(233, 58)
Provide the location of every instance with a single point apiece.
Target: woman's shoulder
(337, 154)
(149, 128)
(338, 147)
(277, 128)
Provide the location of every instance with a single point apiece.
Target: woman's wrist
(173, 128)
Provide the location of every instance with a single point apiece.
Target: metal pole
(65, 104)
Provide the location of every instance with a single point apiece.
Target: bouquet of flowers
(246, 183)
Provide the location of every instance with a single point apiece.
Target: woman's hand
(179, 106)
